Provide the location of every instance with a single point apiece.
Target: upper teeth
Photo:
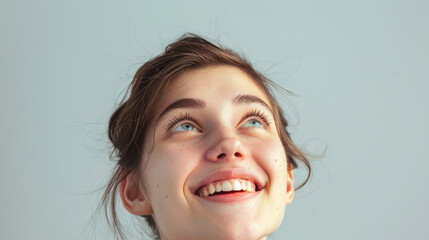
(227, 186)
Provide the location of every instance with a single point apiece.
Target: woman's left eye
(252, 123)
(184, 127)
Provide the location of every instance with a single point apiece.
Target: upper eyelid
(260, 114)
(198, 103)
(187, 116)
(182, 117)
(253, 117)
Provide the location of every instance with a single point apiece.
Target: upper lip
(226, 174)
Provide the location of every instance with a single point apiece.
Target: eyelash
(261, 115)
(187, 117)
(182, 117)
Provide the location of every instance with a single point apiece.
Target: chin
(239, 229)
(238, 234)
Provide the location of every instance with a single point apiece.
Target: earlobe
(290, 189)
(133, 198)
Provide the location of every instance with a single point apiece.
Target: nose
(226, 147)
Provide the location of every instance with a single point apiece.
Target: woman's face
(216, 168)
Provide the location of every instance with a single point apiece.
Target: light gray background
(359, 70)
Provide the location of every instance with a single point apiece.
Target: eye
(256, 119)
(182, 123)
(252, 123)
(184, 127)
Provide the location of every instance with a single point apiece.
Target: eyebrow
(247, 98)
(183, 103)
(198, 103)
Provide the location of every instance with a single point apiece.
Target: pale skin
(227, 131)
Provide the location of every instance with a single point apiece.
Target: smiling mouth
(224, 187)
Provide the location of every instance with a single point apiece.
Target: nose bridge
(225, 145)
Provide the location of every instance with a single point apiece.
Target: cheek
(166, 172)
(270, 155)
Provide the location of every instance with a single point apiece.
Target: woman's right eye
(184, 127)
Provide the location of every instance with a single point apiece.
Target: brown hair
(130, 122)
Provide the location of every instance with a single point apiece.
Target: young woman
(202, 147)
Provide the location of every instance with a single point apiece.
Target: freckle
(276, 160)
(166, 196)
(157, 186)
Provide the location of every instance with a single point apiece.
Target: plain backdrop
(359, 71)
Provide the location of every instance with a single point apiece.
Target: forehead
(214, 83)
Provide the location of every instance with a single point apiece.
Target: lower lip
(231, 197)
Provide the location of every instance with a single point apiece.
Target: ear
(133, 198)
(290, 190)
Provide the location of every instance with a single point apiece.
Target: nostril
(221, 155)
(237, 154)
